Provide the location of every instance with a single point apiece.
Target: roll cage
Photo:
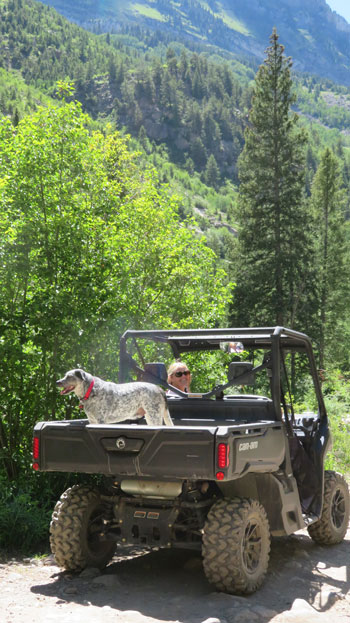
(273, 340)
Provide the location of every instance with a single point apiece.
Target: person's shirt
(171, 394)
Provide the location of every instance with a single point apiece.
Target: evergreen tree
(212, 172)
(274, 284)
(328, 202)
(198, 153)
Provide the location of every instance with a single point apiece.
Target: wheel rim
(338, 509)
(252, 546)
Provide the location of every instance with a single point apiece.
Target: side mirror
(238, 368)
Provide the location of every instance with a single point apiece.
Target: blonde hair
(174, 366)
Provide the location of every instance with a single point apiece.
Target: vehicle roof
(184, 340)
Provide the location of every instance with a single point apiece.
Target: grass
(231, 21)
(147, 11)
(227, 17)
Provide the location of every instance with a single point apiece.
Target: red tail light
(35, 448)
(223, 452)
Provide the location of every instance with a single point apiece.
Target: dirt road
(306, 583)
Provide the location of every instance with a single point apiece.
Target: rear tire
(333, 523)
(236, 545)
(76, 523)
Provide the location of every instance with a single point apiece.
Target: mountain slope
(314, 35)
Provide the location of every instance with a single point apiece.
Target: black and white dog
(107, 403)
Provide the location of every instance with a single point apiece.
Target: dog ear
(79, 374)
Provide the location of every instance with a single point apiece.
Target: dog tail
(166, 415)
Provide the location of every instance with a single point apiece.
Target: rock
(302, 554)
(293, 564)
(329, 597)
(321, 565)
(107, 581)
(300, 605)
(89, 573)
(246, 616)
(49, 561)
(264, 612)
(71, 590)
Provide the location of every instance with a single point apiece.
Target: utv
(238, 466)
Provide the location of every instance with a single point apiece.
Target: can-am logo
(248, 445)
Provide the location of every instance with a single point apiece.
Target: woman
(179, 376)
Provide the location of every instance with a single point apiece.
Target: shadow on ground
(170, 584)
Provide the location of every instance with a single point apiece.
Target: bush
(26, 508)
(24, 522)
(336, 391)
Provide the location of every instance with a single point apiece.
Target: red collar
(88, 392)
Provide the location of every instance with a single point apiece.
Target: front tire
(76, 522)
(333, 523)
(236, 545)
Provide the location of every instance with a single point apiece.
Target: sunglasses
(179, 374)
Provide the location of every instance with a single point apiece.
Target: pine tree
(328, 202)
(198, 153)
(274, 252)
(212, 173)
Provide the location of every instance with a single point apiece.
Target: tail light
(223, 455)
(36, 449)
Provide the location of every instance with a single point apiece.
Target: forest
(147, 186)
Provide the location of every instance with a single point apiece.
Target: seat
(155, 373)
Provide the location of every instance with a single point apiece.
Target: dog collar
(88, 392)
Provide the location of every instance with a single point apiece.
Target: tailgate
(126, 450)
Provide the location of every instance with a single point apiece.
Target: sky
(342, 7)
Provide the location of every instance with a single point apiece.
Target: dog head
(75, 381)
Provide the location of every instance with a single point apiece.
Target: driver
(179, 376)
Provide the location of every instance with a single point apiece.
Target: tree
(328, 202)
(212, 173)
(198, 153)
(274, 251)
(90, 244)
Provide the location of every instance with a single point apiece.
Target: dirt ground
(306, 583)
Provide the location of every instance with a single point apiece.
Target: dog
(108, 403)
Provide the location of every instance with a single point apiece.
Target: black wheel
(236, 545)
(333, 523)
(76, 523)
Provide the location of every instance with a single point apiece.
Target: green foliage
(23, 522)
(317, 40)
(324, 105)
(91, 242)
(65, 88)
(274, 258)
(337, 400)
(212, 173)
(16, 97)
(336, 391)
(89, 246)
(328, 203)
(185, 100)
